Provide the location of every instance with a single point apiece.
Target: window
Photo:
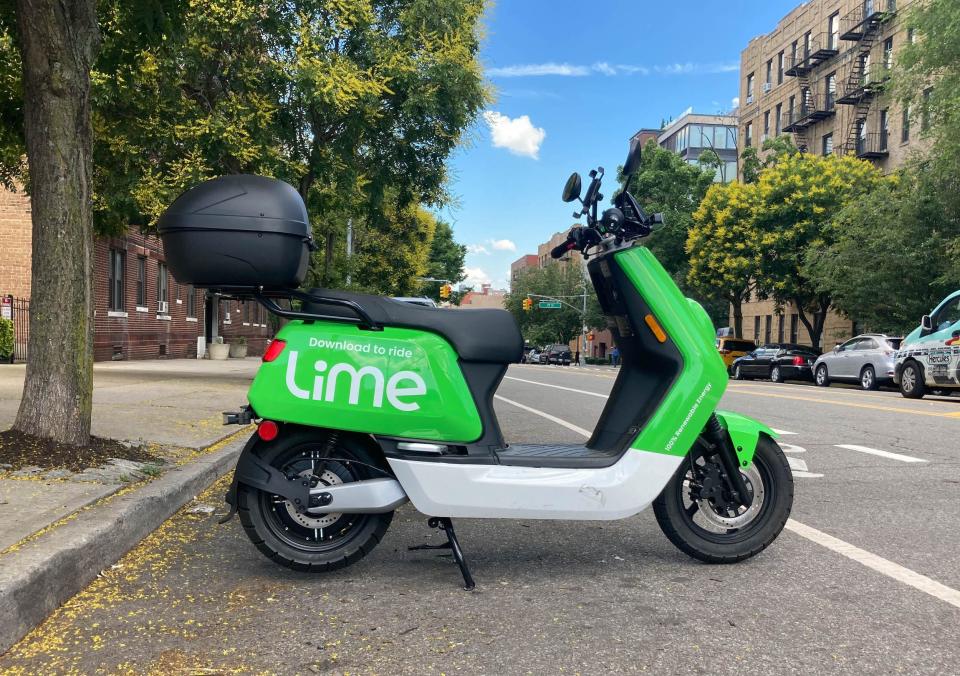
(756, 328)
(749, 135)
(867, 8)
(791, 104)
(865, 68)
(779, 328)
(912, 36)
(778, 117)
(780, 68)
(948, 315)
(925, 110)
(828, 144)
(794, 327)
(191, 301)
(750, 79)
(833, 28)
(831, 91)
(141, 281)
(884, 128)
(766, 329)
(116, 261)
(888, 53)
(905, 129)
(769, 79)
(246, 313)
(793, 53)
(161, 284)
(766, 124)
(807, 44)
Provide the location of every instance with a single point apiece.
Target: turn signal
(276, 347)
(268, 430)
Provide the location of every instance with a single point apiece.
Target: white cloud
(518, 135)
(503, 245)
(538, 69)
(605, 68)
(477, 249)
(475, 277)
(735, 102)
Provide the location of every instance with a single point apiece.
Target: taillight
(276, 347)
(798, 361)
(268, 430)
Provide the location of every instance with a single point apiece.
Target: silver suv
(867, 359)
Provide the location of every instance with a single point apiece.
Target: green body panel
(744, 433)
(694, 396)
(396, 382)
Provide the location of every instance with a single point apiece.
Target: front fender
(744, 433)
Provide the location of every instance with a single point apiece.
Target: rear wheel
(312, 542)
(911, 381)
(776, 375)
(710, 529)
(868, 378)
(737, 374)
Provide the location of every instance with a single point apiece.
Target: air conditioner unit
(750, 99)
(767, 86)
(163, 307)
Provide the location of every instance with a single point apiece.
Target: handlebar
(559, 250)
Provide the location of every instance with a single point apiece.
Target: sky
(572, 82)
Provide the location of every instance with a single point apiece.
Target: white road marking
(882, 454)
(881, 565)
(782, 432)
(790, 448)
(799, 468)
(557, 387)
(563, 423)
(877, 563)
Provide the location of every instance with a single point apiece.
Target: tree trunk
(737, 306)
(58, 41)
(814, 328)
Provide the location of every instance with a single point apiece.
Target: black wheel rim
(304, 532)
(689, 508)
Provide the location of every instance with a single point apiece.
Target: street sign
(549, 305)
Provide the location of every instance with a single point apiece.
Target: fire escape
(814, 106)
(865, 81)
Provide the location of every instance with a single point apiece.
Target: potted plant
(238, 348)
(217, 349)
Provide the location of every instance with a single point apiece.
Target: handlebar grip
(561, 249)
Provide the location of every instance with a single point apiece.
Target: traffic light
(445, 290)
(527, 304)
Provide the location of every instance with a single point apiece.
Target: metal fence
(20, 314)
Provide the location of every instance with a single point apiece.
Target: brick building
(819, 77)
(485, 297)
(140, 310)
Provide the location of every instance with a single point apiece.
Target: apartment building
(820, 78)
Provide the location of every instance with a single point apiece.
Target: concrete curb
(43, 574)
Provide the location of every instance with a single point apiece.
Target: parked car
(730, 348)
(556, 354)
(531, 356)
(778, 362)
(868, 359)
(929, 358)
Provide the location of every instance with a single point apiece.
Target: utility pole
(583, 317)
(349, 246)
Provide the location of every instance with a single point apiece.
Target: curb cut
(38, 578)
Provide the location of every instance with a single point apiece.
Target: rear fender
(744, 433)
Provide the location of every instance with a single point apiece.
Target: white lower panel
(502, 491)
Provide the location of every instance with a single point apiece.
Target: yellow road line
(820, 400)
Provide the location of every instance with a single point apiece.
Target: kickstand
(446, 525)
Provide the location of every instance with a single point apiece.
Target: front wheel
(313, 543)
(911, 381)
(712, 531)
(821, 376)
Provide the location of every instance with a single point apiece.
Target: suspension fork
(717, 434)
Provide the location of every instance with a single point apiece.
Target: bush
(6, 339)
(598, 360)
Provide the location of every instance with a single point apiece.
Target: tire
(285, 539)
(821, 378)
(868, 378)
(911, 381)
(737, 375)
(776, 376)
(729, 545)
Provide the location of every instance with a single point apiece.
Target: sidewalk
(60, 526)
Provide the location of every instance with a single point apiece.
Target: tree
(445, 260)
(563, 281)
(722, 246)
(797, 198)
(888, 262)
(57, 43)
(775, 148)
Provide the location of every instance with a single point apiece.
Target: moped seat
(478, 334)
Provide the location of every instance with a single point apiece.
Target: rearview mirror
(633, 158)
(926, 323)
(571, 190)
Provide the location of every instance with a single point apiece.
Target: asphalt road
(865, 579)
